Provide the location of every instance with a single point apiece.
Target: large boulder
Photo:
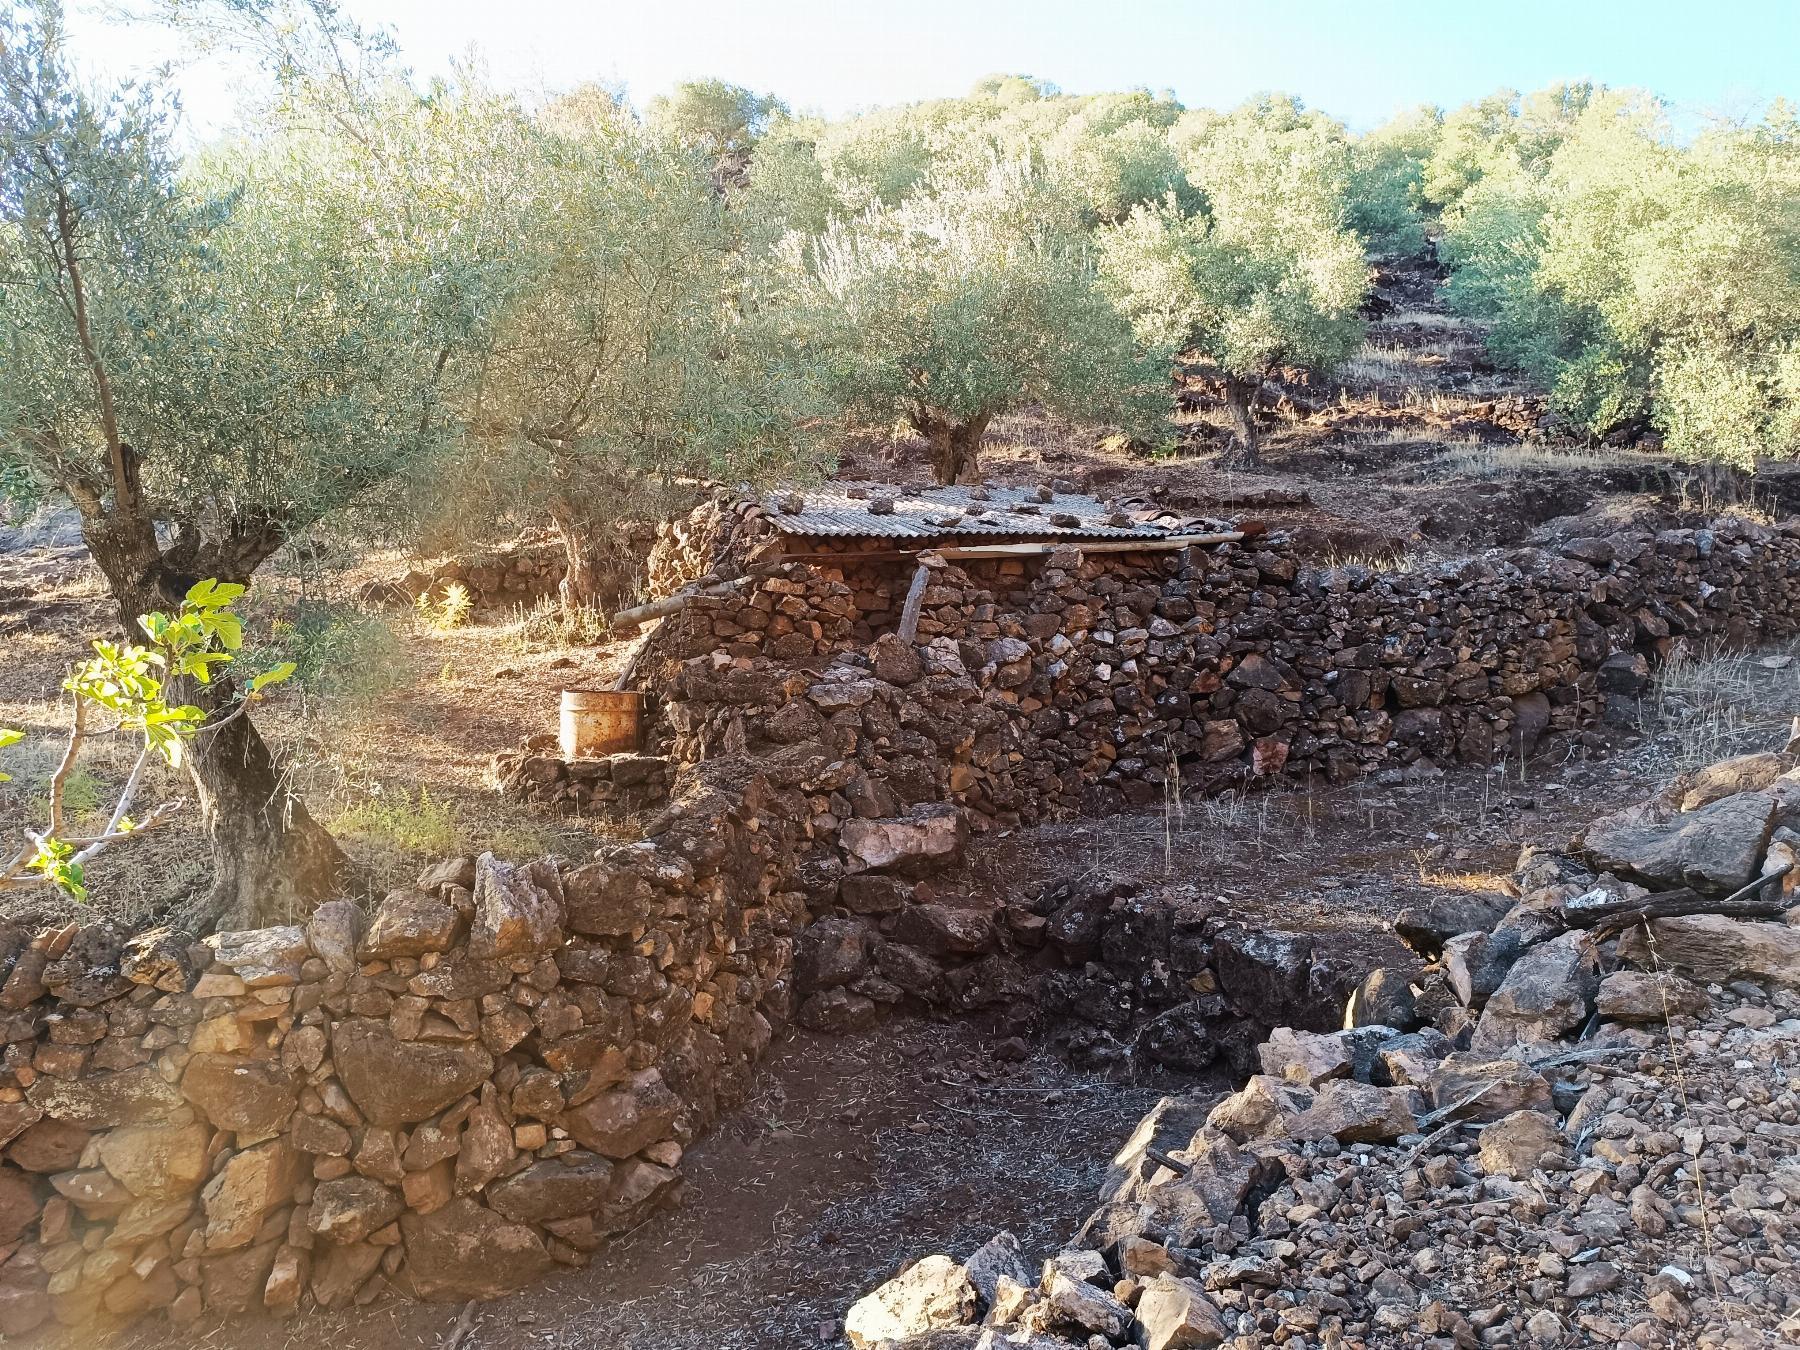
(158, 1162)
(1176, 1314)
(1383, 999)
(1358, 1113)
(20, 1203)
(1644, 996)
(410, 922)
(1265, 973)
(1304, 1057)
(465, 1250)
(101, 1101)
(1715, 847)
(837, 1012)
(932, 1295)
(996, 1259)
(1548, 991)
(1474, 1087)
(349, 1209)
(1713, 948)
(251, 1184)
(518, 909)
(1728, 777)
(1214, 1189)
(395, 1082)
(929, 837)
(1074, 1306)
(1429, 924)
(253, 1097)
(1264, 1108)
(1515, 1145)
(262, 957)
(1169, 1125)
(830, 953)
(964, 928)
(333, 932)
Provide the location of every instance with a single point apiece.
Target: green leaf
(274, 675)
(228, 628)
(212, 593)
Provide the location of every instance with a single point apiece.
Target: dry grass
(1709, 703)
(1374, 560)
(1485, 460)
(1433, 320)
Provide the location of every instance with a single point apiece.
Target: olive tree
(960, 304)
(1113, 152)
(720, 122)
(1267, 274)
(629, 360)
(1643, 281)
(1387, 182)
(209, 363)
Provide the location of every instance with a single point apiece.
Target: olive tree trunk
(955, 445)
(599, 567)
(1240, 399)
(271, 861)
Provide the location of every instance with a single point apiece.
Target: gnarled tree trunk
(600, 568)
(271, 860)
(583, 583)
(955, 446)
(1240, 398)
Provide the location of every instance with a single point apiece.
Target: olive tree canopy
(962, 303)
(209, 360)
(1267, 274)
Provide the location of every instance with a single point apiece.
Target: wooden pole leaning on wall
(915, 600)
(627, 619)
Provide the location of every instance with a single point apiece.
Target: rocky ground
(1576, 1126)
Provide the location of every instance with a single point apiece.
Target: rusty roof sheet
(841, 510)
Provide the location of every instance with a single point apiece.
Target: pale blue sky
(1358, 59)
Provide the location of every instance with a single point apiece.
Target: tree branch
(77, 731)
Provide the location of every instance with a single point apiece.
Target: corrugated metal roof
(841, 510)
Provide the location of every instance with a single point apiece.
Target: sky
(1360, 60)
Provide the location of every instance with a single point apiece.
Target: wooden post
(915, 601)
(670, 604)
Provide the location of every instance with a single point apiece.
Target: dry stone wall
(610, 785)
(487, 1077)
(1082, 682)
(529, 569)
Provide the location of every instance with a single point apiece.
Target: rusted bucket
(598, 722)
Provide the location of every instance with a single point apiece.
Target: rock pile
(1597, 1147)
(1084, 682)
